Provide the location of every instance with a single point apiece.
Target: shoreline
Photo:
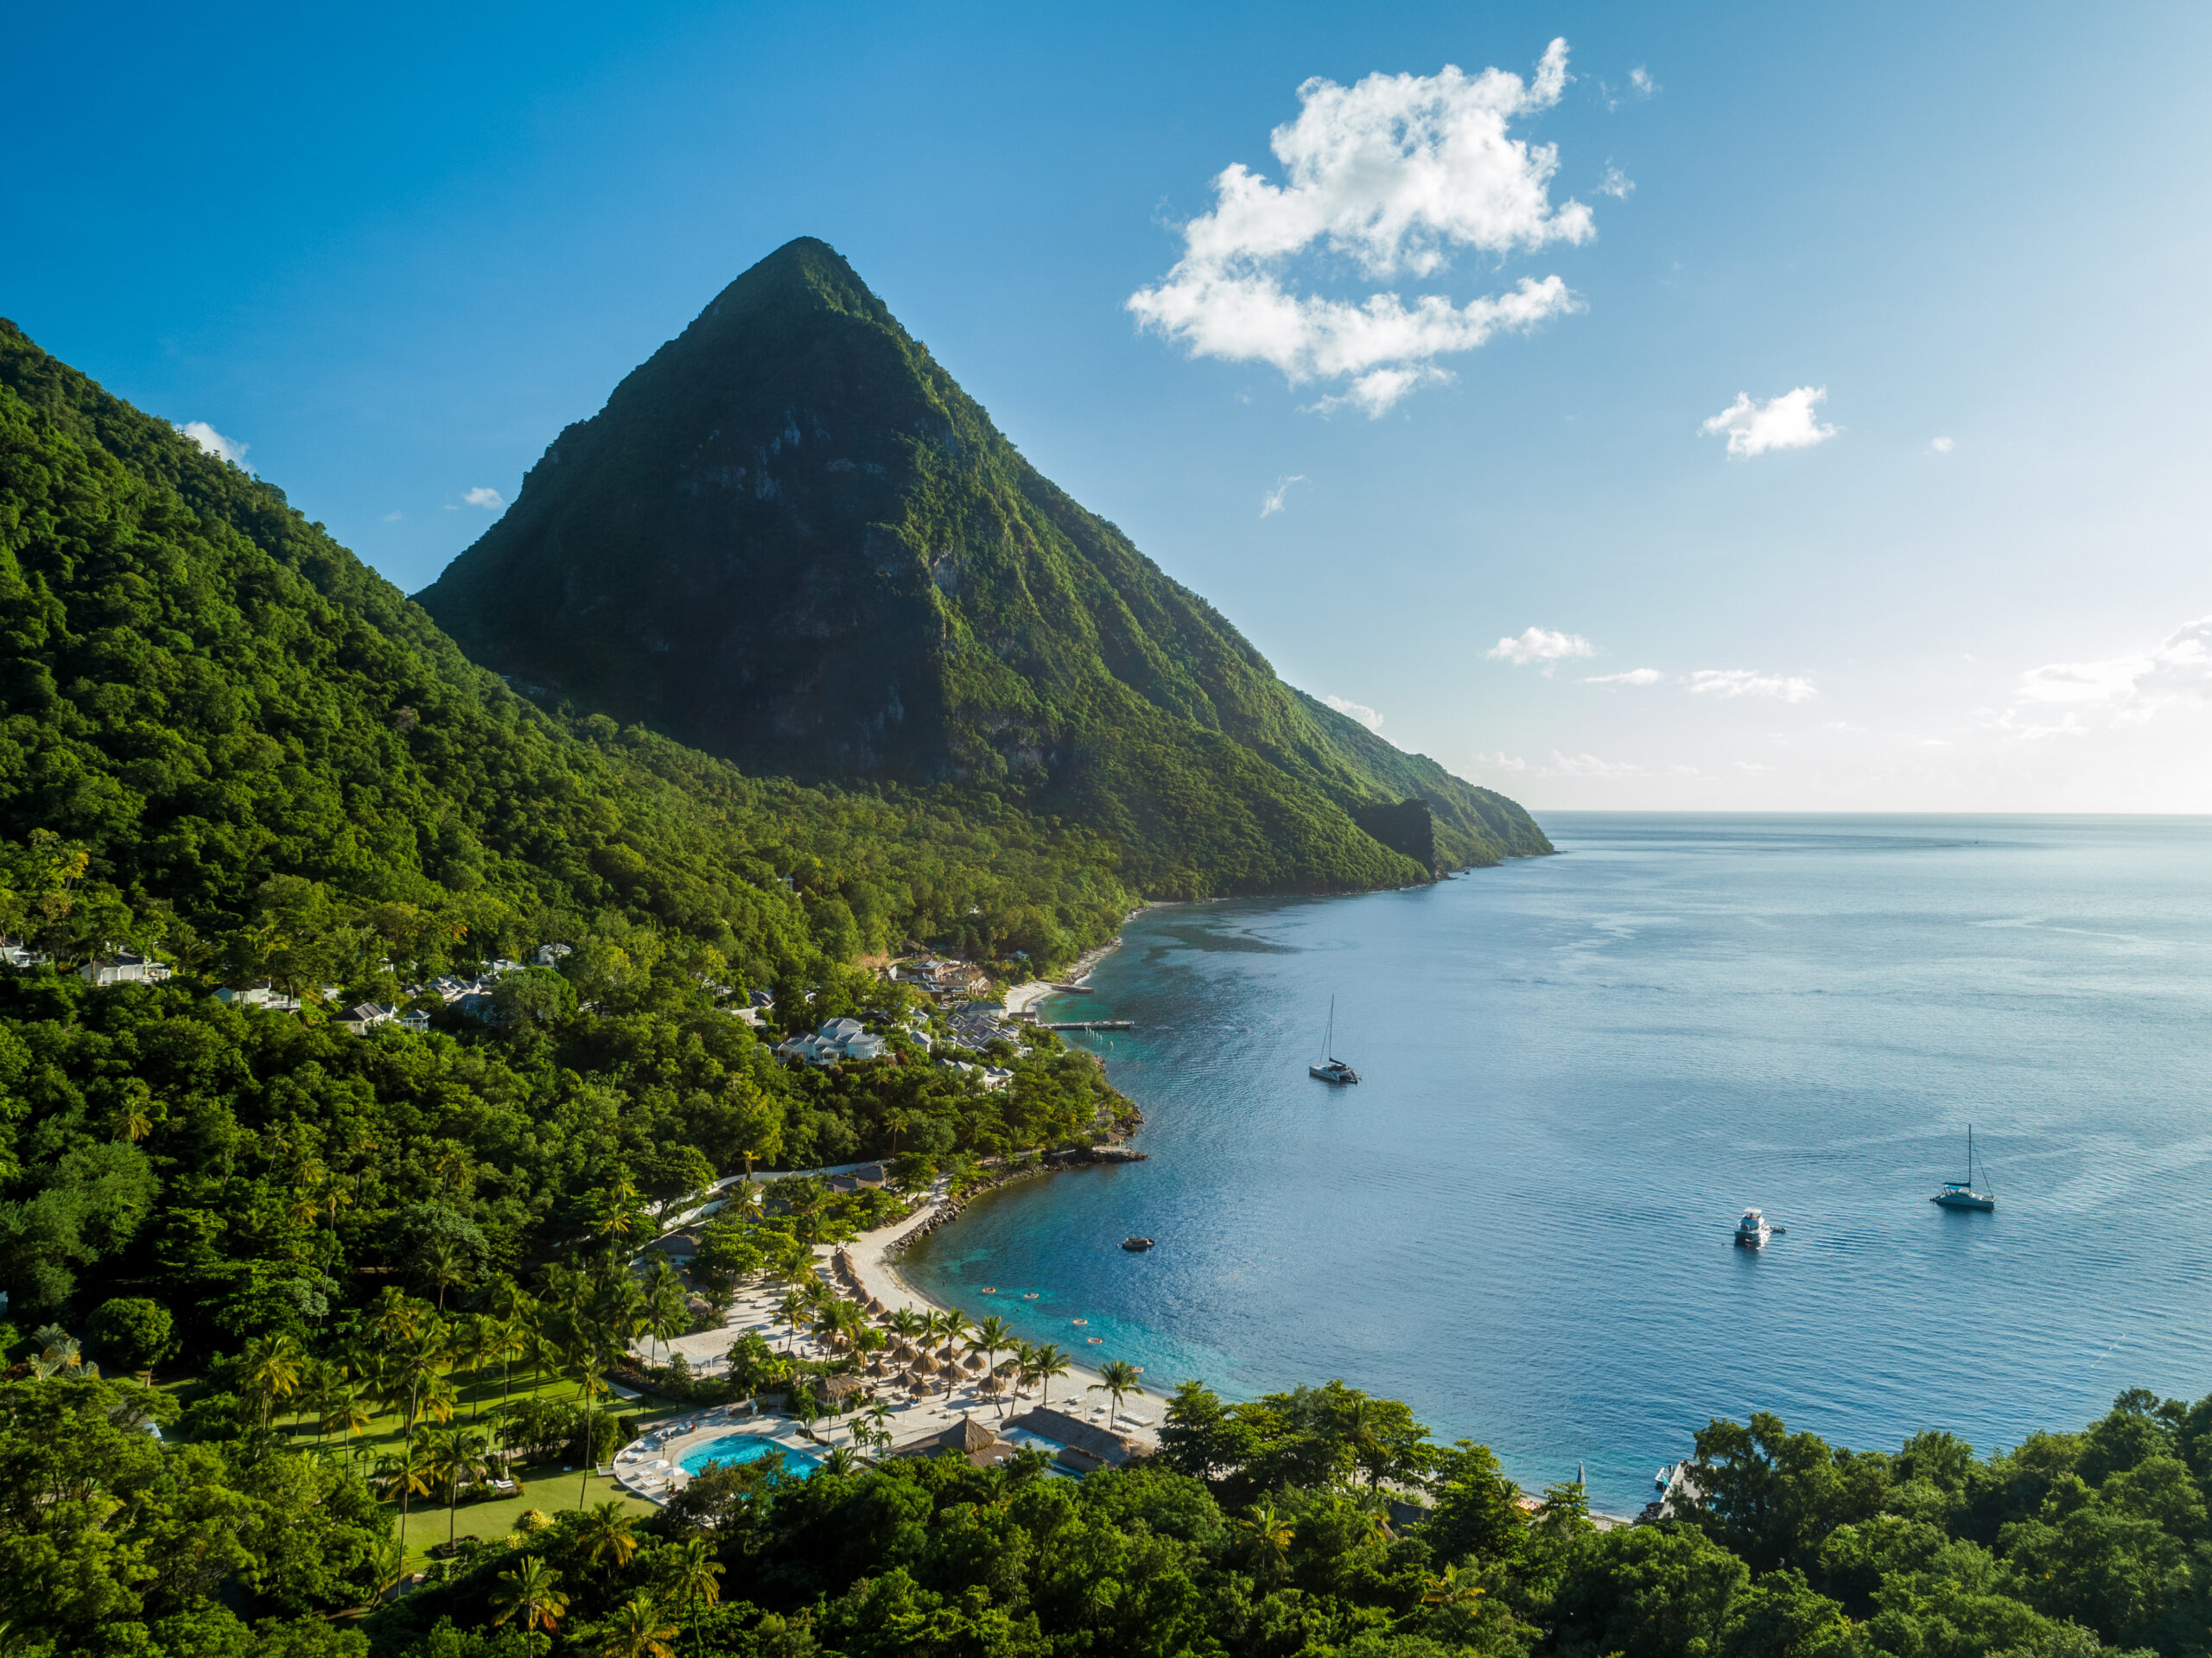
(878, 1276)
(1022, 997)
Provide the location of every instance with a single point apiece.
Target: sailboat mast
(1329, 1036)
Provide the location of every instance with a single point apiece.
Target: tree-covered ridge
(203, 691)
(791, 539)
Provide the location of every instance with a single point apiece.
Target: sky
(1702, 407)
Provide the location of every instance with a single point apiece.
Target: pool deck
(654, 1473)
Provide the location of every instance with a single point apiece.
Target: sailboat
(1961, 1194)
(1332, 1070)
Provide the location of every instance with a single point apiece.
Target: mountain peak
(791, 540)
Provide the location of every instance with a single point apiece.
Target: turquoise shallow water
(1579, 1070)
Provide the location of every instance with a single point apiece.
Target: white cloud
(1589, 766)
(1632, 676)
(1782, 422)
(1358, 711)
(1641, 83)
(1541, 645)
(1940, 445)
(211, 442)
(1743, 682)
(489, 499)
(393, 518)
(1393, 174)
(1272, 502)
(1615, 184)
(1502, 761)
(2135, 686)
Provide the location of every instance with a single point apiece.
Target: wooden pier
(1091, 1024)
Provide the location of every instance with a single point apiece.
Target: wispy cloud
(1395, 174)
(1940, 445)
(1630, 677)
(1541, 645)
(1358, 711)
(1615, 184)
(211, 442)
(1641, 83)
(1782, 422)
(1745, 682)
(393, 518)
(489, 499)
(1272, 502)
(1502, 761)
(1589, 766)
(2131, 688)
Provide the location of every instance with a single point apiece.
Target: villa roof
(964, 1438)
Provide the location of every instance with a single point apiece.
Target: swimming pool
(749, 1447)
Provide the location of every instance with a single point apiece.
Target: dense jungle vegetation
(1275, 1529)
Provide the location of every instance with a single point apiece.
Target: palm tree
(589, 1386)
(129, 1120)
(905, 1323)
(991, 1338)
(320, 1392)
(1266, 1533)
(609, 1533)
(348, 1413)
(1454, 1588)
(1046, 1362)
(272, 1367)
(529, 1594)
(691, 1577)
(442, 1265)
(477, 1340)
(789, 1311)
(638, 1630)
(1116, 1379)
(666, 1315)
(455, 1457)
(879, 1416)
(404, 1474)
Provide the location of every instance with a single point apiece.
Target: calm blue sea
(1580, 1068)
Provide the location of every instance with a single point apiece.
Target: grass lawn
(543, 1487)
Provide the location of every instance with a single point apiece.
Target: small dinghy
(1136, 1246)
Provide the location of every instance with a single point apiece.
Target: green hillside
(209, 698)
(791, 540)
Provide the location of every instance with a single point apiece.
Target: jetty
(1090, 1024)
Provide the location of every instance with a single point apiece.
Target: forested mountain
(205, 694)
(791, 540)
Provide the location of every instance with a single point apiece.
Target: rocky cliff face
(791, 540)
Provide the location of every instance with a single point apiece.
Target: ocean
(1580, 1070)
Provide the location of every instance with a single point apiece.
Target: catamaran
(1332, 1070)
(1961, 1194)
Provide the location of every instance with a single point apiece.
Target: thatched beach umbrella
(975, 1361)
(903, 1353)
(924, 1366)
(949, 1353)
(876, 1307)
(876, 1368)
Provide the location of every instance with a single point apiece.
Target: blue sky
(393, 255)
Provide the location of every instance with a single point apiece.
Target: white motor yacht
(1752, 1231)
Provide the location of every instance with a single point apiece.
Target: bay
(1579, 1070)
